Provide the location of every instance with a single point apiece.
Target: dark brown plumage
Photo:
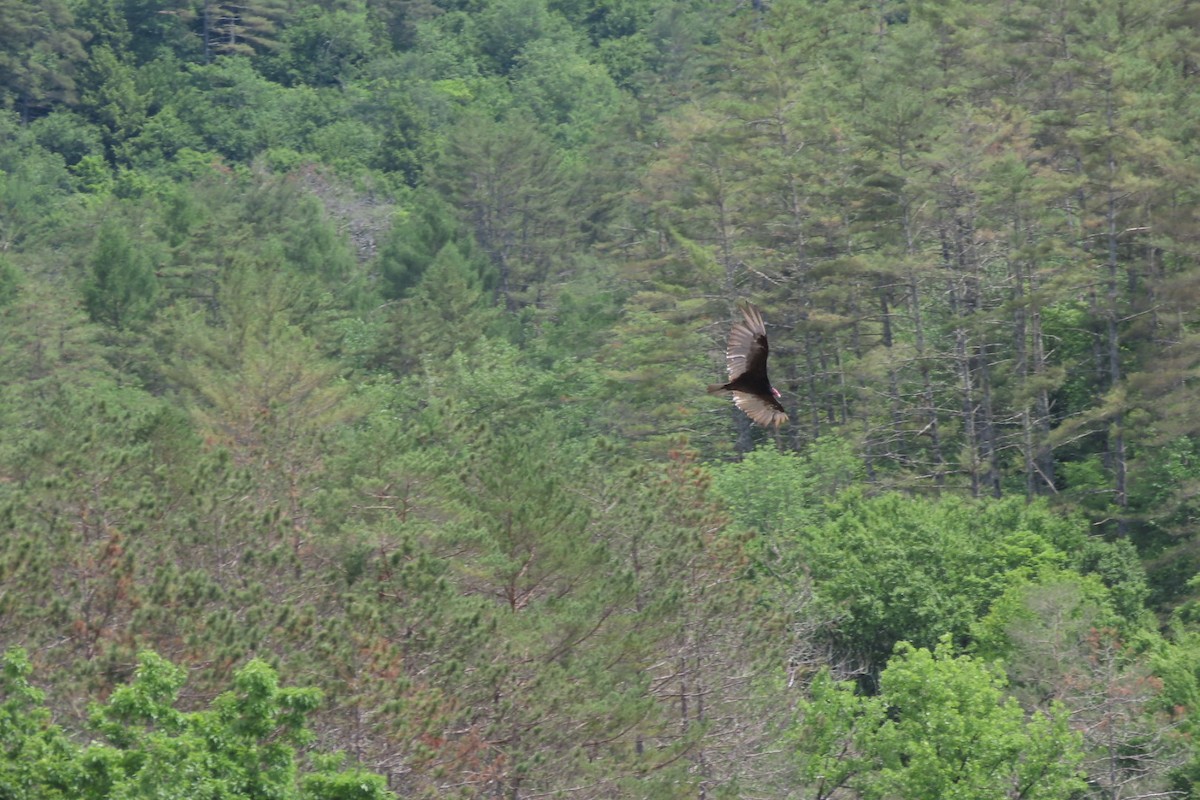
(746, 360)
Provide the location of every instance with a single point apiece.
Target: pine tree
(40, 49)
(122, 285)
(521, 200)
(241, 28)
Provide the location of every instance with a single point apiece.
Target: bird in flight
(746, 360)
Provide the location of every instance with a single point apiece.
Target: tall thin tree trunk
(928, 412)
(1021, 365)
(814, 401)
(967, 390)
(989, 443)
(1109, 354)
(1113, 347)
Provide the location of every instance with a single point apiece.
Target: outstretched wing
(746, 352)
(746, 360)
(766, 411)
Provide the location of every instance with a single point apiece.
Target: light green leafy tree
(324, 48)
(244, 745)
(912, 569)
(951, 733)
(36, 757)
(576, 100)
(777, 492)
(941, 726)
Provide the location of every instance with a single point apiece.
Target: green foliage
(70, 135)
(33, 183)
(1174, 663)
(122, 285)
(244, 745)
(779, 493)
(113, 98)
(261, 388)
(10, 282)
(520, 198)
(105, 21)
(940, 726)
(40, 50)
(417, 240)
(1120, 569)
(952, 733)
(157, 27)
(572, 98)
(507, 28)
(330, 782)
(242, 29)
(1041, 631)
(38, 760)
(831, 738)
(450, 296)
(311, 244)
(234, 110)
(899, 569)
(648, 402)
(324, 47)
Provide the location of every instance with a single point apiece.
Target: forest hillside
(354, 440)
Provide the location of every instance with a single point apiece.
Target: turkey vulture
(746, 360)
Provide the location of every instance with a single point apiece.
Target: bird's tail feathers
(713, 388)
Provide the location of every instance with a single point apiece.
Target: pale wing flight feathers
(758, 410)
(746, 362)
(747, 348)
